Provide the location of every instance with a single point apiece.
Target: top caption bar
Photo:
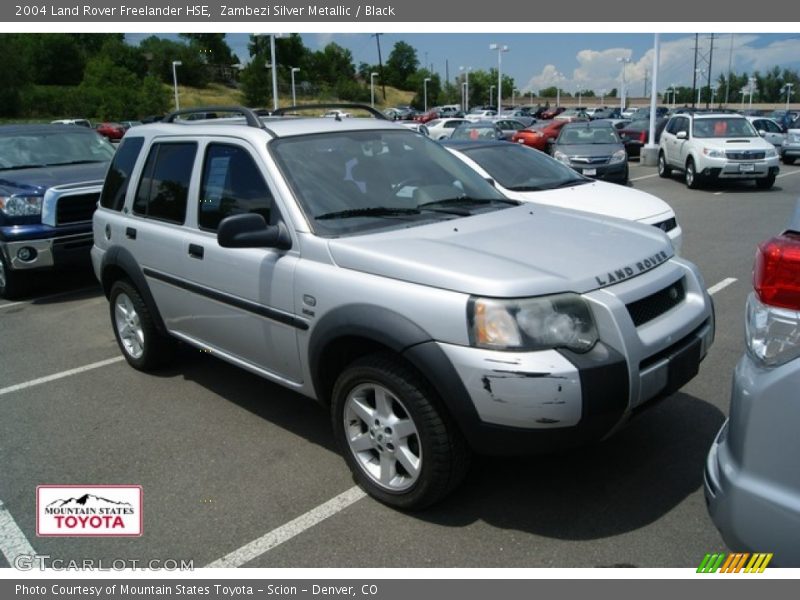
(447, 11)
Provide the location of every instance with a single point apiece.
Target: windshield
(359, 181)
(588, 135)
(44, 149)
(723, 127)
(522, 169)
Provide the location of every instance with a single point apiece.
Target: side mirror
(682, 135)
(251, 231)
(551, 140)
(761, 132)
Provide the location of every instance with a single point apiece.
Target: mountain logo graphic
(86, 500)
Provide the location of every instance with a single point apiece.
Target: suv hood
(735, 143)
(36, 181)
(599, 197)
(516, 252)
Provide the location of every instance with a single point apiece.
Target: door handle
(130, 232)
(196, 251)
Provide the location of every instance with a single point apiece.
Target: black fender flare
(121, 259)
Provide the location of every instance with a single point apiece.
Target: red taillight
(776, 276)
(643, 137)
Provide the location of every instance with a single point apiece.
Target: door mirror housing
(682, 135)
(251, 231)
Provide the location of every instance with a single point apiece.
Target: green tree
(110, 91)
(211, 47)
(14, 74)
(54, 58)
(154, 98)
(256, 84)
(402, 63)
(160, 53)
(332, 64)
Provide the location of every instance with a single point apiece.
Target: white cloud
(601, 69)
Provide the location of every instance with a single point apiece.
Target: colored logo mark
(735, 563)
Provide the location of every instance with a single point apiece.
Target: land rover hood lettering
(629, 271)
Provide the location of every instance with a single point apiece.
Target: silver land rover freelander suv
(363, 265)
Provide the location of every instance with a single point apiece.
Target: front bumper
(608, 172)
(722, 168)
(548, 400)
(752, 483)
(40, 246)
(790, 149)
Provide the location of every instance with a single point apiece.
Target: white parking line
(643, 177)
(10, 304)
(789, 173)
(13, 542)
(721, 285)
(61, 375)
(276, 537)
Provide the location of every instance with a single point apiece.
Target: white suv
(711, 146)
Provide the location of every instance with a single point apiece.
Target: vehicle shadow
(64, 285)
(597, 491)
(613, 487)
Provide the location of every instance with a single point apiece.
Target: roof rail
(353, 105)
(250, 117)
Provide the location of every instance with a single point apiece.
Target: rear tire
(399, 442)
(134, 327)
(664, 170)
(765, 183)
(788, 160)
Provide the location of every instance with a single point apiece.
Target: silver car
(361, 264)
(752, 478)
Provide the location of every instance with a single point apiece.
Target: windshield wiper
(19, 167)
(570, 183)
(74, 162)
(371, 211)
(467, 200)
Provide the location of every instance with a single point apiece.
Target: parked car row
(110, 130)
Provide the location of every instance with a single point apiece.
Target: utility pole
(377, 37)
(694, 70)
(710, 56)
(728, 80)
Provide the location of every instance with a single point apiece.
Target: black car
(636, 133)
(593, 149)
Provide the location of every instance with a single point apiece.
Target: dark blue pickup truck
(50, 181)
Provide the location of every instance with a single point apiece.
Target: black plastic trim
(240, 303)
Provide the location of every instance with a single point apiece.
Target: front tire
(691, 177)
(788, 160)
(400, 444)
(664, 170)
(134, 327)
(11, 282)
(765, 183)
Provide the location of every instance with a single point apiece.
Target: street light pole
(273, 66)
(788, 87)
(425, 92)
(500, 49)
(176, 63)
(294, 98)
(751, 81)
(700, 73)
(466, 84)
(372, 77)
(625, 61)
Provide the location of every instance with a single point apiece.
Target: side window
(231, 185)
(682, 124)
(772, 127)
(119, 173)
(672, 126)
(164, 185)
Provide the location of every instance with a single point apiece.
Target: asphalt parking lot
(226, 458)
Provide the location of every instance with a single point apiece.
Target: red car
(428, 116)
(111, 131)
(553, 112)
(536, 137)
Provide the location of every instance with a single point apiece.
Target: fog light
(26, 253)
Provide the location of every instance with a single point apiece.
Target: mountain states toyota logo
(98, 510)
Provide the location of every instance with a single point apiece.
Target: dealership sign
(90, 510)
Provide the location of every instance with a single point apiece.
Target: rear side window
(164, 185)
(231, 185)
(119, 173)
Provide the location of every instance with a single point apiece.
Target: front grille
(655, 305)
(745, 155)
(589, 160)
(76, 209)
(667, 225)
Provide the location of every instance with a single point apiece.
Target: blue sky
(588, 60)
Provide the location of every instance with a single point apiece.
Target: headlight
(19, 206)
(770, 153)
(561, 156)
(559, 321)
(773, 334)
(714, 153)
(619, 156)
